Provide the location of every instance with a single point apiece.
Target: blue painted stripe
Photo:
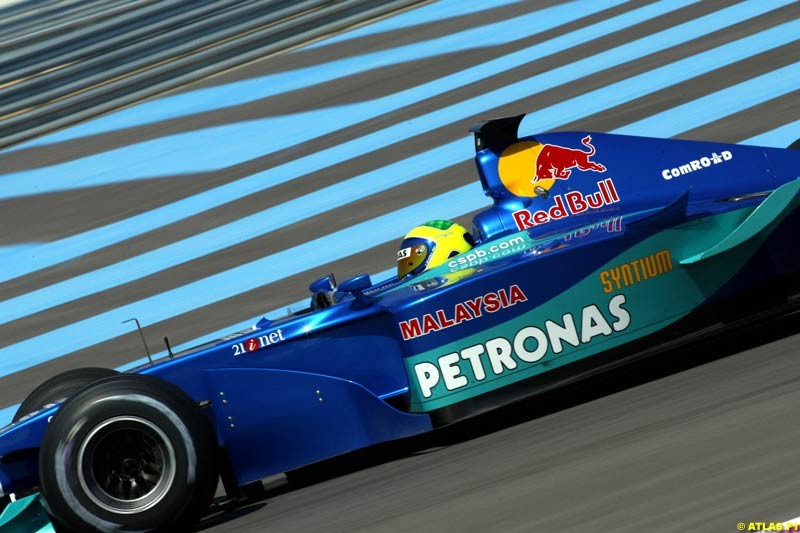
(19, 248)
(7, 414)
(722, 103)
(242, 92)
(72, 247)
(435, 12)
(342, 193)
(779, 137)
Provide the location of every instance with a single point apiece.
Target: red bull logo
(530, 169)
(572, 203)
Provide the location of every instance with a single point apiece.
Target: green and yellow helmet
(430, 245)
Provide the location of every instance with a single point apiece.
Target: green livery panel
(640, 291)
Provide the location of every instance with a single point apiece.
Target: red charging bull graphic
(530, 169)
(556, 161)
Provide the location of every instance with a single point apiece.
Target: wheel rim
(126, 465)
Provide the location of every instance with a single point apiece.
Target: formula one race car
(598, 249)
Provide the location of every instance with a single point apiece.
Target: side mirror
(356, 286)
(322, 295)
(325, 283)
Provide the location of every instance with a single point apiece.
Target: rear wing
(496, 134)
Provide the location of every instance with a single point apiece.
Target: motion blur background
(195, 164)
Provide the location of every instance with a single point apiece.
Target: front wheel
(128, 453)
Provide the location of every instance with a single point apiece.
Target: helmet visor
(412, 256)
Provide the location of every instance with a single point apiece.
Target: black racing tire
(129, 453)
(795, 145)
(61, 386)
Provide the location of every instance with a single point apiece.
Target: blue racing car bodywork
(599, 248)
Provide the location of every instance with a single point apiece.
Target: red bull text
(571, 203)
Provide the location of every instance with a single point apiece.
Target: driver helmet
(430, 245)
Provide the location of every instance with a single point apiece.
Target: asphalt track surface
(695, 441)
